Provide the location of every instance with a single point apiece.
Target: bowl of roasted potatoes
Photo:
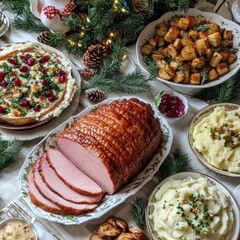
(190, 51)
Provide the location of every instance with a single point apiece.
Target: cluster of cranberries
(29, 61)
(171, 106)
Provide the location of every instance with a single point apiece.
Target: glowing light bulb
(79, 45)
(71, 42)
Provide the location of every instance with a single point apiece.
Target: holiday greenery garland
(120, 20)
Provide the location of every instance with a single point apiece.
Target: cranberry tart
(35, 84)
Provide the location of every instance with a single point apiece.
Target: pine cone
(95, 96)
(96, 54)
(44, 37)
(87, 74)
(139, 5)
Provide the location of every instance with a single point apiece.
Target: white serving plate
(110, 201)
(211, 181)
(43, 130)
(149, 30)
(198, 117)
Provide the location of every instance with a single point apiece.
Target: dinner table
(11, 199)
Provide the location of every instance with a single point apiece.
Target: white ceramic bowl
(184, 101)
(149, 30)
(195, 120)
(211, 181)
(6, 221)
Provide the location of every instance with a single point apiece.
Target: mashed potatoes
(217, 138)
(191, 209)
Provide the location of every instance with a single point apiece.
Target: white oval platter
(110, 201)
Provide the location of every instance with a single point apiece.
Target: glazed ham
(113, 144)
(67, 206)
(55, 184)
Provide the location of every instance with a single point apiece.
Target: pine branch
(15, 6)
(226, 92)
(135, 82)
(179, 162)
(138, 212)
(112, 64)
(103, 83)
(74, 21)
(9, 150)
(152, 66)
(129, 27)
(55, 39)
(28, 21)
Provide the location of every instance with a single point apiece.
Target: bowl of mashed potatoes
(192, 206)
(17, 229)
(214, 136)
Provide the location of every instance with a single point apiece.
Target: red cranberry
(171, 106)
(61, 72)
(44, 82)
(43, 70)
(25, 103)
(4, 84)
(30, 62)
(12, 61)
(18, 82)
(49, 93)
(1, 76)
(27, 56)
(37, 108)
(2, 110)
(23, 69)
(44, 59)
(52, 99)
(62, 78)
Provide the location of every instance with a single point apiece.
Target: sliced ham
(55, 184)
(91, 145)
(69, 207)
(71, 175)
(39, 200)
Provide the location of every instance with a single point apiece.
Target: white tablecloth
(9, 190)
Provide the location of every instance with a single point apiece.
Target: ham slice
(69, 207)
(71, 175)
(39, 200)
(55, 184)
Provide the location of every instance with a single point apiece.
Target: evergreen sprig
(135, 82)
(112, 64)
(9, 151)
(138, 212)
(226, 92)
(54, 39)
(179, 162)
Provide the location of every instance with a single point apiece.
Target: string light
(79, 44)
(71, 42)
(119, 7)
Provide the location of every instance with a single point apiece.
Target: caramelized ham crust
(113, 144)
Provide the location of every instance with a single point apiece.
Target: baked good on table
(35, 83)
(99, 153)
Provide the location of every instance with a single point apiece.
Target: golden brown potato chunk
(231, 57)
(193, 34)
(195, 78)
(216, 59)
(198, 62)
(201, 46)
(179, 77)
(183, 23)
(222, 68)
(147, 49)
(227, 35)
(172, 34)
(187, 41)
(215, 39)
(177, 44)
(161, 29)
(188, 53)
(213, 74)
(164, 75)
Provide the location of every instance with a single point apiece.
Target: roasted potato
(189, 44)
